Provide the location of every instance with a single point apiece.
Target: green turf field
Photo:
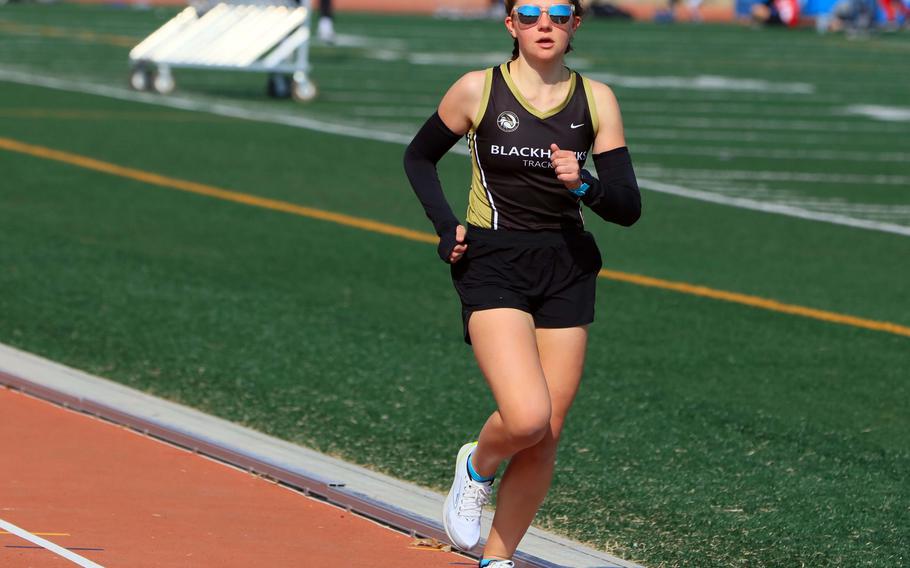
(707, 433)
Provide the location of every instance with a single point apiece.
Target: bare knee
(528, 428)
(544, 450)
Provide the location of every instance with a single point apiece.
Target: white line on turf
(725, 153)
(743, 136)
(879, 112)
(483, 59)
(222, 109)
(58, 550)
(778, 208)
(351, 40)
(770, 100)
(199, 105)
(773, 175)
(767, 124)
(391, 112)
(382, 99)
(688, 108)
(893, 213)
(704, 83)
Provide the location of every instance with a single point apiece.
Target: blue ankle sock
(476, 476)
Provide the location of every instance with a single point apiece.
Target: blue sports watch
(580, 190)
(586, 180)
(584, 176)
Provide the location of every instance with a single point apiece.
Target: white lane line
(899, 214)
(732, 136)
(183, 103)
(780, 209)
(879, 112)
(769, 100)
(689, 107)
(351, 40)
(723, 153)
(704, 83)
(766, 124)
(391, 112)
(897, 211)
(72, 85)
(771, 175)
(480, 59)
(58, 550)
(382, 99)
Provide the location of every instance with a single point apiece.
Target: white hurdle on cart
(271, 37)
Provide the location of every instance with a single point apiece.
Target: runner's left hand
(566, 165)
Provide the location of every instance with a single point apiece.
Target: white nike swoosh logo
(577, 125)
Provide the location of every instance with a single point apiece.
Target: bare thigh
(562, 358)
(505, 345)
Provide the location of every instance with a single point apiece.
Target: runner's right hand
(452, 246)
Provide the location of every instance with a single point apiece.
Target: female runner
(524, 268)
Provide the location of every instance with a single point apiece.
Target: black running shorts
(552, 275)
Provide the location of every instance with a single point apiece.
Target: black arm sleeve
(429, 146)
(615, 196)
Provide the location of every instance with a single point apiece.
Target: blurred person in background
(694, 10)
(776, 12)
(326, 28)
(525, 269)
(692, 6)
(853, 17)
(892, 10)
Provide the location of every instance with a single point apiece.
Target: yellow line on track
(420, 236)
(211, 191)
(757, 302)
(86, 36)
(82, 114)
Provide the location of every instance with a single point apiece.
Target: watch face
(580, 190)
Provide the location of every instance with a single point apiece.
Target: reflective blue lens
(529, 14)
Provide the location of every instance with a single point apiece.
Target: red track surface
(127, 500)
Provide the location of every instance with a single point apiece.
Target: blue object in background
(810, 8)
(744, 8)
(816, 7)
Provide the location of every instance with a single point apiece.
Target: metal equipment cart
(271, 36)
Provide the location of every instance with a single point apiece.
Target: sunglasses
(559, 13)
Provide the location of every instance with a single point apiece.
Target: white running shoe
(500, 564)
(461, 512)
(325, 31)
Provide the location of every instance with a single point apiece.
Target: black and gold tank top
(513, 185)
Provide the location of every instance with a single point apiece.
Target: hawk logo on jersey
(507, 121)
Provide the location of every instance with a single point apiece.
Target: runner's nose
(543, 22)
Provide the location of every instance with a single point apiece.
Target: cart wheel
(304, 91)
(140, 79)
(279, 86)
(163, 81)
